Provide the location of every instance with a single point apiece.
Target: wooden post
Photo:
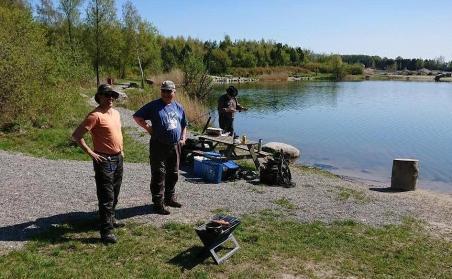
(404, 174)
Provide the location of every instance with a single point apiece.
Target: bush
(197, 83)
(355, 69)
(38, 84)
(24, 64)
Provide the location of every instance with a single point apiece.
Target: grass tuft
(346, 194)
(285, 203)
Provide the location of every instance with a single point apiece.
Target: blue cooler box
(211, 154)
(212, 171)
(197, 165)
(230, 165)
(230, 169)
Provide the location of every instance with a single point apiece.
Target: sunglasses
(110, 94)
(167, 91)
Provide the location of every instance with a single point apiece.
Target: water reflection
(354, 128)
(275, 97)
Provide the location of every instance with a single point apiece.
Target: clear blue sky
(409, 28)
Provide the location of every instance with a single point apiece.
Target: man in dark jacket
(227, 106)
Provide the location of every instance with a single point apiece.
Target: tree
(399, 63)
(100, 18)
(226, 43)
(149, 47)
(21, 4)
(219, 62)
(278, 55)
(49, 17)
(419, 64)
(70, 10)
(246, 60)
(24, 64)
(300, 54)
(185, 52)
(130, 46)
(47, 14)
(338, 67)
(169, 57)
(197, 83)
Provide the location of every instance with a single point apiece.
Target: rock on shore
(288, 149)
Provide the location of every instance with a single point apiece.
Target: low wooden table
(250, 148)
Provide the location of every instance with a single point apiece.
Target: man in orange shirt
(105, 127)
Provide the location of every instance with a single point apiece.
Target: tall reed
(196, 111)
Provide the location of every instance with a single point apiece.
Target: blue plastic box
(230, 165)
(211, 154)
(212, 171)
(197, 165)
(230, 169)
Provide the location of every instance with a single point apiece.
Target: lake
(355, 128)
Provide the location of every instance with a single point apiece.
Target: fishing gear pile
(276, 171)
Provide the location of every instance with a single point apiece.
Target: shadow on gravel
(388, 190)
(57, 226)
(187, 172)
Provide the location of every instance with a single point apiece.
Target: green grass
(134, 151)
(136, 98)
(55, 144)
(246, 164)
(315, 170)
(270, 247)
(285, 203)
(346, 194)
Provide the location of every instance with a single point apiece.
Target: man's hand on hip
(97, 158)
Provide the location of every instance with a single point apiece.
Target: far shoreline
(228, 79)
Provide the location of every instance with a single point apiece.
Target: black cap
(231, 90)
(106, 89)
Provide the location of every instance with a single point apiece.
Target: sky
(390, 28)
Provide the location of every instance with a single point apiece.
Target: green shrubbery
(38, 84)
(197, 83)
(355, 69)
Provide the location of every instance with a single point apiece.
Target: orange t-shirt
(105, 128)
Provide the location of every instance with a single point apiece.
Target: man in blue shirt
(168, 133)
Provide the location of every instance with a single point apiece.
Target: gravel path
(36, 193)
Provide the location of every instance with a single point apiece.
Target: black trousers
(226, 124)
(108, 175)
(164, 160)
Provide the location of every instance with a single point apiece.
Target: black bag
(276, 171)
(192, 144)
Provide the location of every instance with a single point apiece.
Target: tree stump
(404, 174)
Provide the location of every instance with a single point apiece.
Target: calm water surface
(356, 128)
